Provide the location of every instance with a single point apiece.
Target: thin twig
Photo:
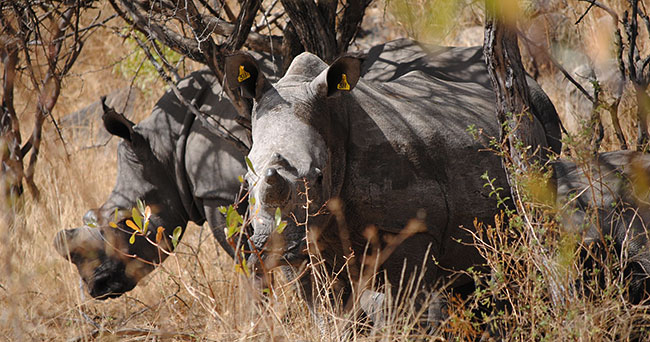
(591, 5)
(217, 129)
(557, 64)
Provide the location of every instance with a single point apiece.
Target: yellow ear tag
(343, 85)
(243, 75)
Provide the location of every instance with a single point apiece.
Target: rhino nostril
(90, 218)
(319, 175)
(272, 176)
(277, 191)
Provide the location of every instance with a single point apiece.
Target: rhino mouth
(294, 254)
(110, 280)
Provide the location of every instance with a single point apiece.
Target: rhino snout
(105, 276)
(83, 240)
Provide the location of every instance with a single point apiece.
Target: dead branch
(313, 27)
(350, 23)
(42, 39)
(11, 164)
(503, 59)
(636, 67)
(205, 119)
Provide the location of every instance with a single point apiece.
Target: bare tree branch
(507, 74)
(350, 22)
(215, 126)
(311, 27)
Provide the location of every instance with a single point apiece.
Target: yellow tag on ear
(243, 75)
(343, 85)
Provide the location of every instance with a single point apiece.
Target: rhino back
(394, 59)
(459, 65)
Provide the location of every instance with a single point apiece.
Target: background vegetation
(197, 294)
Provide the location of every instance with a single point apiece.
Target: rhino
(607, 203)
(353, 145)
(174, 163)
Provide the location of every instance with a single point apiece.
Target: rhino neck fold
(193, 211)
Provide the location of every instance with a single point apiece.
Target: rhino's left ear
(242, 72)
(116, 123)
(341, 76)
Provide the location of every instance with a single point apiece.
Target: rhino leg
(217, 222)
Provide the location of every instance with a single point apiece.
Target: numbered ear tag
(243, 75)
(343, 85)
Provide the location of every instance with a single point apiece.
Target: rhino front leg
(217, 222)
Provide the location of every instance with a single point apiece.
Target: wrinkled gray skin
(180, 184)
(610, 198)
(606, 202)
(391, 150)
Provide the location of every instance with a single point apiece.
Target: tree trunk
(507, 74)
(642, 112)
(11, 161)
(291, 46)
(312, 27)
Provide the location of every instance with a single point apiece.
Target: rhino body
(607, 203)
(176, 165)
(390, 147)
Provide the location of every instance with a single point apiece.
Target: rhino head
(299, 129)
(108, 264)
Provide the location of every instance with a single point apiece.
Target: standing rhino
(175, 164)
(390, 146)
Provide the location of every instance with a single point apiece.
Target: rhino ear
(242, 72)
(116, 123)
(341, 76)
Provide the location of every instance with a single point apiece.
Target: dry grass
(40, 297)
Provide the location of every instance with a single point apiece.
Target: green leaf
(137, 218)
(278, 217)
(231, 231)
(115, 219)
(233, 219)
(278, 223)
(132, 239)
(243, 267)
(281, 226)
(250, 165)
(176, 235)
(240, 178)
(223, 210)
(140, 204)
(144, 229)
(251, 200)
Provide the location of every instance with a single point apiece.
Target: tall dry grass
(198, 295)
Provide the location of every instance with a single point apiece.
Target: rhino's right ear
(116, 123)
(242, 73)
